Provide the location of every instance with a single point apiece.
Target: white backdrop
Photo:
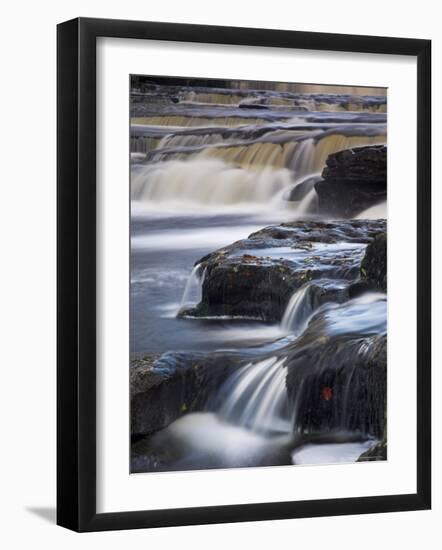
(27, 218)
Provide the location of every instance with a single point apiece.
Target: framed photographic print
(243, 274)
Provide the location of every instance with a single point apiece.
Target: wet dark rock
(259, 286)
(325, 291)
(259, 290)
(337, 382)
(368, 163)
(167, 387)
(358, 288)
(377, 452)
(352, 181)
(374, 264)
(292, 233)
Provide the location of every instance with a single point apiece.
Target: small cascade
(193, 290)
(190, 140)
(298, 310)
(302, 156)
(308, 204)
(343, 393)
(255, 397)
(143, 144)
(375, 212)
(187, 121)
(212, 98)
(306, 96)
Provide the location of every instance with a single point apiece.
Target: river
(208, 168)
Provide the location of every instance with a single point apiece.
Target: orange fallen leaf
(327, 393)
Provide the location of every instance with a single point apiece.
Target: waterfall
(302, 158)
(212, 98)
(207, 181)
(255, 397)
(275, 149)
(234, 175)
(193, 290)
(191, 120)
(190, 140)
(298, 310)
(143, 144)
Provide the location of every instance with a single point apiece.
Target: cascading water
(255, 397)
(298, 310)
(288, 149)
(193, 289)
(207, 182)
(186, 121)
(374, 212)
(229, 159)
(308, 203)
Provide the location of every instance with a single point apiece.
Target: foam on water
(330, 453)
(205, 440)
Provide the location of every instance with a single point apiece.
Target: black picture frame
(76, 273)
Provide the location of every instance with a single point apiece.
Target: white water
(365, 315)
(374, 212)
(302, 157)
(194, 287)
(298, 311)
(330, 453)
(206, 439)
(256, 397)
(207, 182)
(192, 239)
(308, 202)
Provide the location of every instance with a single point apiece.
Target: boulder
(259, 286)
(361, 164)
(352, 181)
(165, 388)
(257, 289)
